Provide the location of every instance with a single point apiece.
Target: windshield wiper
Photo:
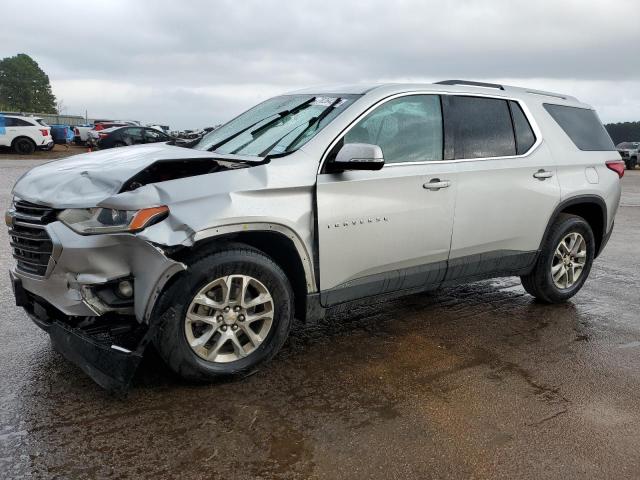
(312, 121)
(280, 115)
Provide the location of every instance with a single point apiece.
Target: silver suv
(307, 201)
(629, 151)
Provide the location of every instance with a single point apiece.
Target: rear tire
(231, 349)
(24, 146)
(632, 163)
(559, 274)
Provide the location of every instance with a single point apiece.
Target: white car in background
(81, 134)
(24, 134)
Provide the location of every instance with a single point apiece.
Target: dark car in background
(130, 135)
(629, 151)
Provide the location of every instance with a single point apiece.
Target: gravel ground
(477, 381)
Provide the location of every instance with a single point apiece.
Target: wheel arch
(590, 207)
(277, 241)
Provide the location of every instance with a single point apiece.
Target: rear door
(382, 231)
(507, 187)
(10, 131)
(4, 136)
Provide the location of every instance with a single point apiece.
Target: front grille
(32, 246)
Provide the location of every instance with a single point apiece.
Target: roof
(455, 86)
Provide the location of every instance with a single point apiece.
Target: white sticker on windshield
(324, 101)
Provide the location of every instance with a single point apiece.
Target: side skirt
(398, 283)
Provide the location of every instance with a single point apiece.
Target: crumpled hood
(85, 180)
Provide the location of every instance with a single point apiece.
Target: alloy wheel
(229, 318)
(569, 260)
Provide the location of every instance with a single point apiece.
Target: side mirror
(358, 156)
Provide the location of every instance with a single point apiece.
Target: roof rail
(470, 83)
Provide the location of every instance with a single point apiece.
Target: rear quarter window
(525, 138)
(582, 126)
(18, 122)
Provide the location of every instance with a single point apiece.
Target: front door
(388, 230)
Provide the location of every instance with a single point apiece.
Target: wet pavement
(477, 381)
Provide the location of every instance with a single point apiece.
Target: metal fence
(53, 118)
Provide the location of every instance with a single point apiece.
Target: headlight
(88, 221)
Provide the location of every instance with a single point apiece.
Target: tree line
(624, 132)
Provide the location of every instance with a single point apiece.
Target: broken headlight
(90, 221)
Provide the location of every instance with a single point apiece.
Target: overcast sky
(198, 63)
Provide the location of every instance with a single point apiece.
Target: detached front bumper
(72, 298)
(82, 273)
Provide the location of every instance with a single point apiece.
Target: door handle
(436, 184)
(543, 174)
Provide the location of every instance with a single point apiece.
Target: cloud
(197, 63)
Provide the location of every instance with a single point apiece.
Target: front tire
(230, 313)
(564, 261)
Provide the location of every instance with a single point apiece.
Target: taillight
(617, 166)
(76, 131)
(44, 132)
(99, 127)
(103, 135)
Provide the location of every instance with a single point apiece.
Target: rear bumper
(605, 240)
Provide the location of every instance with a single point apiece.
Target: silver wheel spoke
(561, 272)
(259, 300)
(203, 299)
(253, 337)
(213, 352)
(237, 347)
(203, 339)
(259, 316)
(194, 317)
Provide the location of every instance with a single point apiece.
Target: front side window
(279, 125)
(482, 127)
(407, 129)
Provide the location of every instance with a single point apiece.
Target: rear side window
(525, 138)
(18, 122)
(583, 127)
(482, 127)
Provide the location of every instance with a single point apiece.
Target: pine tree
(24, 87)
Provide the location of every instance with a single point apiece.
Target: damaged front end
(97, 237)
(93, 294)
